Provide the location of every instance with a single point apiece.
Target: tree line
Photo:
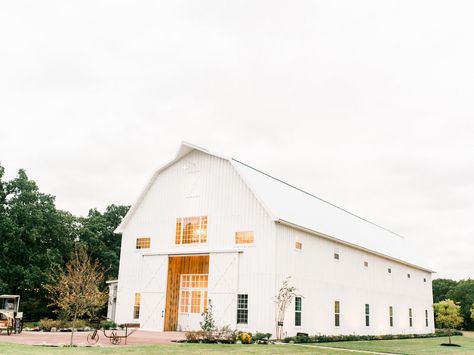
(37, 238)
(461, 292)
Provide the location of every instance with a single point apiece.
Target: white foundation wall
(322, 280)
(200, 185)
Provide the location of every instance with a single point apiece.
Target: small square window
(244, 237)
(408, 275)
(424, 279)
(389, 270)
(142, 243)
(298, 244)
(366, 263)
(336, 254)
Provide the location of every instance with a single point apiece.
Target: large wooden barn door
(223, 285)
(178, 265)
(153, 287)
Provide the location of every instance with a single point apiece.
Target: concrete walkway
(80, 338)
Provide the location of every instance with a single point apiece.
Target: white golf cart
(10, 319)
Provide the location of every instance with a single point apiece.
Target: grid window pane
(298, 309)
(426, 317)
(390, 312)
(242, 309)
(190, 230)
(143, 243)
(337, 313)
(244, 237)
(136, 306)
(367, 315)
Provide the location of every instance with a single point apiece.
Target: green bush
(107, 324)
(261, 336)
(46, 324)
(334, 338)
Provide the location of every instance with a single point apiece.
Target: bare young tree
(285, 296)
(76, 289)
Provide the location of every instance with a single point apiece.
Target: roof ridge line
(319, 198)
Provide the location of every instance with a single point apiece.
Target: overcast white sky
(368, 104)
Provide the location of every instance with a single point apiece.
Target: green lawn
(410, 346)
(10, 349)
(405, 346)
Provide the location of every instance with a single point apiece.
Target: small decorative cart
(114, 336)
(11, 321)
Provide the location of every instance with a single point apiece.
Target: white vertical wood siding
(322, 280)
(202, 185)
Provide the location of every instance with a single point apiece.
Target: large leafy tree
(463, 294)
(441, 287)
(96, 232)
(34, 237)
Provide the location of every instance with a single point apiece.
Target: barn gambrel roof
(296, 208)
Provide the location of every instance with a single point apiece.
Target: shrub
(245, 338)
(46, 324)
(261, 336)
(225, 335)
(332, 338)
(107, 324)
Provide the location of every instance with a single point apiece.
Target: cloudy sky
(368, 104)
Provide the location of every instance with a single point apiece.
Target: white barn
(207, 227)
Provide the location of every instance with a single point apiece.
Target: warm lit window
(143, 243)
(243, 237)
(390, 314)
(298, 244)
(136, 306)
(190, 230)
(410, 317)
(298, 309)
(337, 313)
(242, 309)
(367, 315)
(193, 293)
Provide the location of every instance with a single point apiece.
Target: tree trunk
(449, 334)
(72, 332)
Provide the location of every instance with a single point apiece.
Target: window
(366, 263)
(390, 314)
(408, 275)
(426, 317)
(136, 306)
(424, 279)
(389, 270)
(243, 237)
(242, 309)
(298, 308)
(367, 315)
(298, 244)
(143, 243)
(337, 313)
(336, 254)
(190, 230)
(410, 316)
(193, 293)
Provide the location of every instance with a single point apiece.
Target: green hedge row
(333, 338)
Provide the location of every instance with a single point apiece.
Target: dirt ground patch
(80, 338)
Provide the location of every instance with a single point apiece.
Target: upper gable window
(191, 230)
(298, 244)
(244, 237)
(336, 254)
(143, 243)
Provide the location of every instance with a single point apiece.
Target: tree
(96, 232)
(447, 315)
(75, 290)
(472, 312)
(285, 296)
(34, 238)
(463, 293)
(441, 287)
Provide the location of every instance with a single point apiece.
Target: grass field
(412, 346)
(180, 349)
(405, 346)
